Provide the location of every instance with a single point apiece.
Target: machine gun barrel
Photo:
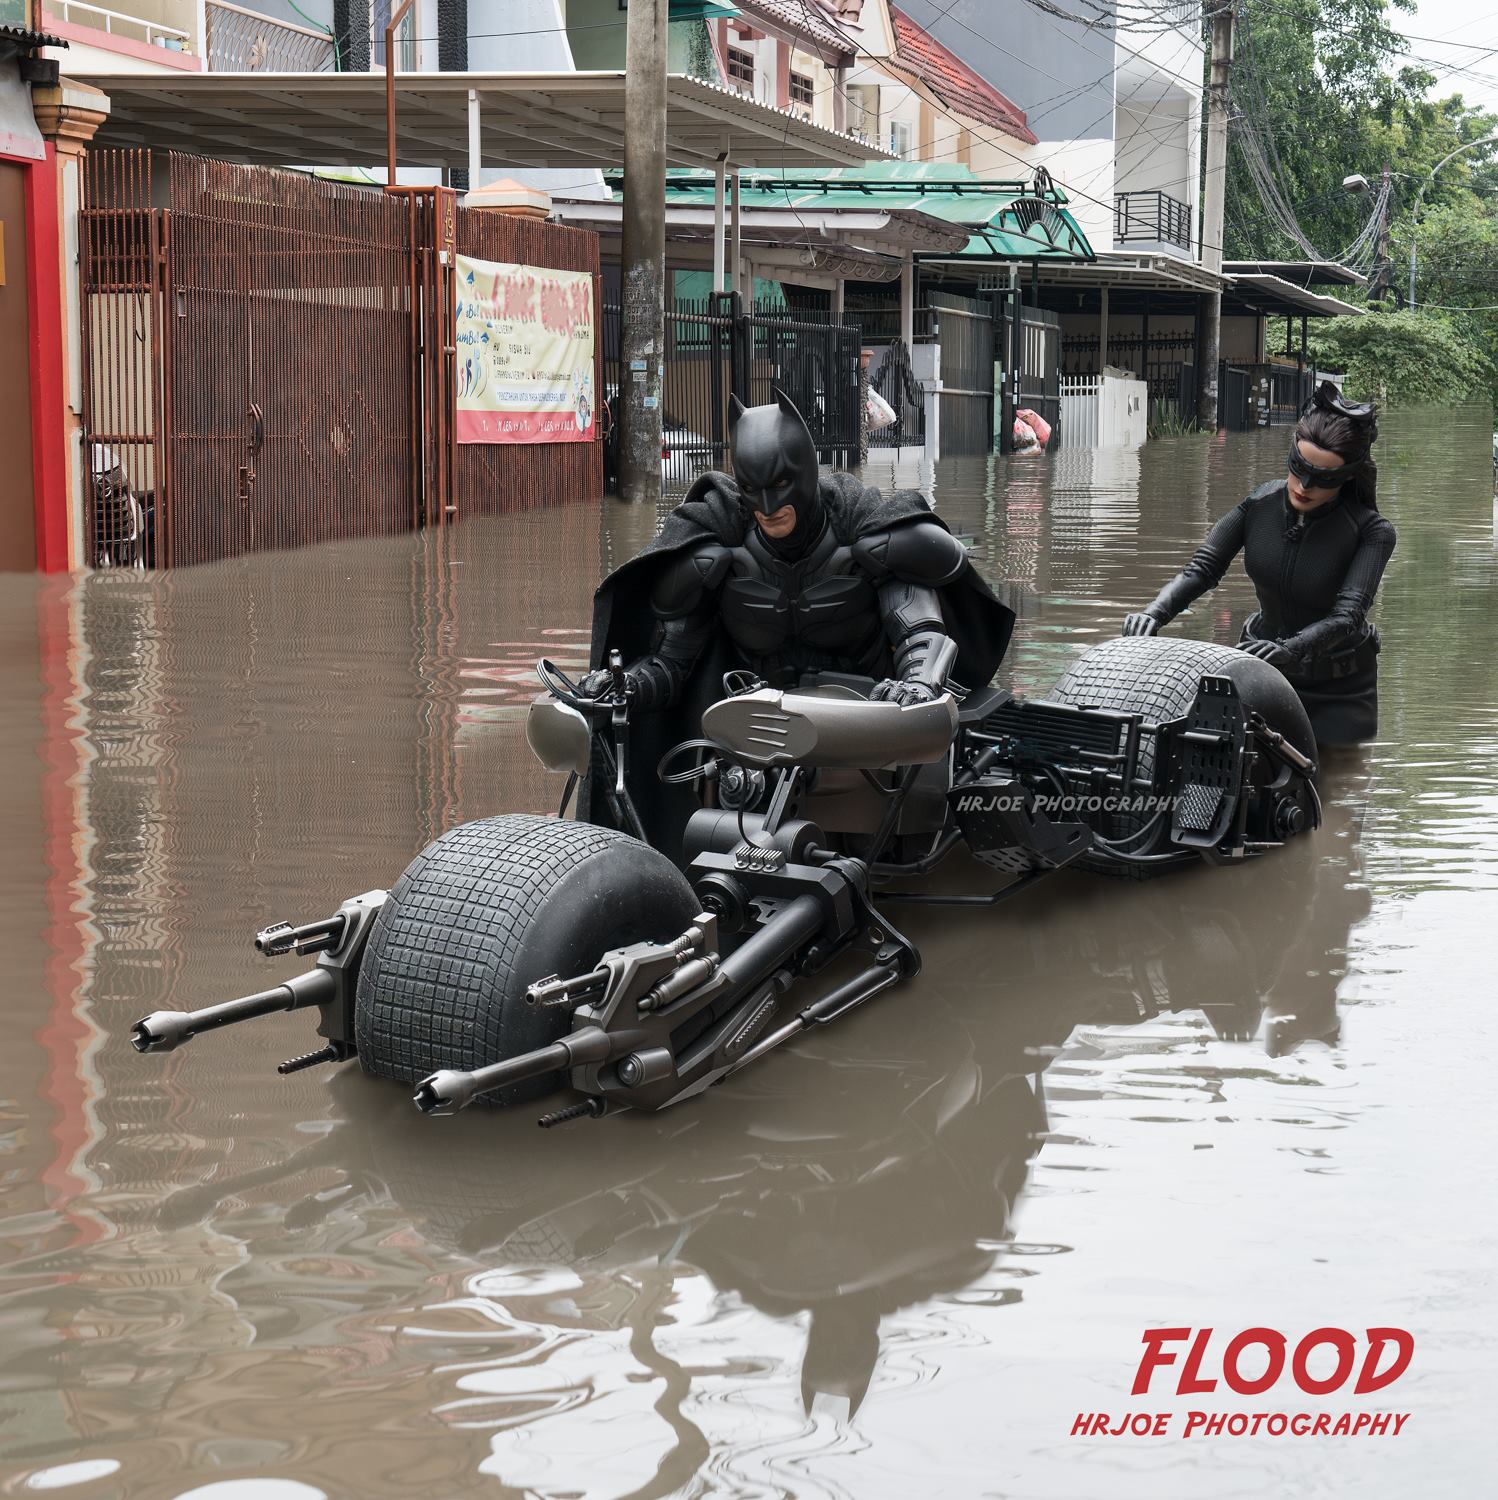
(310, 937)
(448, 1091)
(166, 1030)
(764, 951)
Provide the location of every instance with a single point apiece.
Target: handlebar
(565, 690)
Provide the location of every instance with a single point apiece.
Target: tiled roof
(807, 17)
(919, 54)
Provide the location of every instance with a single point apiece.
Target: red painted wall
(44, 299)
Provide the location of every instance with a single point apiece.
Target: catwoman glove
(1270, 651)
(1141, 622)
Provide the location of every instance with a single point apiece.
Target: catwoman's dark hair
(1351, 441)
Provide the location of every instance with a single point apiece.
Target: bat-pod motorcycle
(705, 905)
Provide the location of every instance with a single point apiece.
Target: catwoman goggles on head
(1322, 479)
(1363, 416)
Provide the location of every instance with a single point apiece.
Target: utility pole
(642, 317)
(1214, 196)
(1383, 275)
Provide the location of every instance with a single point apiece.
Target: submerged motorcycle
(520, 954)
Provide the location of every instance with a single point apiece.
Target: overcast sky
(1466, 28)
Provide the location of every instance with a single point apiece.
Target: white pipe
(720, 225)
(475, 140)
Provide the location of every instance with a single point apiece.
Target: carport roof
(1280, 298)
(535, 120)
(1004, 220)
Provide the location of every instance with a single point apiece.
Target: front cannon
(339, 941)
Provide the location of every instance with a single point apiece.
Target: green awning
(1010, 221)
(698, 10)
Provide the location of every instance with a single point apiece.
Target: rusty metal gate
(269, 359)
(717, 347)
(249, 347)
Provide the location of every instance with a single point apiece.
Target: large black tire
(1158, 677)
(483, 913)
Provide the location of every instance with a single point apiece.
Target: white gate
(1103, 411)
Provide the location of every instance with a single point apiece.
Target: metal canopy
(1299, 272)
(882, 230)
(1004, 220)
(537, 120)
(810, 248)
(1272, 294)
(1143, 271)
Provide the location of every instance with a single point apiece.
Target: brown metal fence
(269, 357)
(123, 251)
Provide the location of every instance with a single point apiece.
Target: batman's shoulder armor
(688, 574)
(915, 552)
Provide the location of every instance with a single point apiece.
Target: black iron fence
(1128, 351)
(1248, 396)
(717, 348)
(1152, 218)
(1234, 387)
(1172, 395)
(892, 376)
(1028, 346)
(966, 331)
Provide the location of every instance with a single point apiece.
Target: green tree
(1413, 358)
(1322, 92)
(1316, 97)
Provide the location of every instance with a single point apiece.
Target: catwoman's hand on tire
(893, 690)
(1140, 623)
(1270, 651)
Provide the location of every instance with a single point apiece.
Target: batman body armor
(871, 607)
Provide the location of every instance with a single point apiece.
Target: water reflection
(214, 1275)
(870, 1173)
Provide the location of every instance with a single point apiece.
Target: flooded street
(895, 1260)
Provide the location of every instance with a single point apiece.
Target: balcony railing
(243, 41)
(117, 23)
(1152, 218)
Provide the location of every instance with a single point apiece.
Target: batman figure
(782, 571)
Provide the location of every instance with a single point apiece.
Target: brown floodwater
(897, 1259)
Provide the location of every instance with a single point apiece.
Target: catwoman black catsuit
(1315, 575)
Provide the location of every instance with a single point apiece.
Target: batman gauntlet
(915, 627)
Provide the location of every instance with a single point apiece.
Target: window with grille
(741, 69)
(801, 89)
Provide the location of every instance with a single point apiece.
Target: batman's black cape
(623, 621)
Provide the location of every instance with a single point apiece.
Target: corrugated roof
(919, 54)
(28, 38)
(1005, 220)
(530, 120)
(805, 17)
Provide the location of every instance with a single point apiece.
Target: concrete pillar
(68, 115)
(1102, 329)
(838, 288)
(907, 300)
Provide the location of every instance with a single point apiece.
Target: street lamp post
(1487, 140)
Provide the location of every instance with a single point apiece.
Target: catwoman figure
(1315, 547)
(784, 572)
